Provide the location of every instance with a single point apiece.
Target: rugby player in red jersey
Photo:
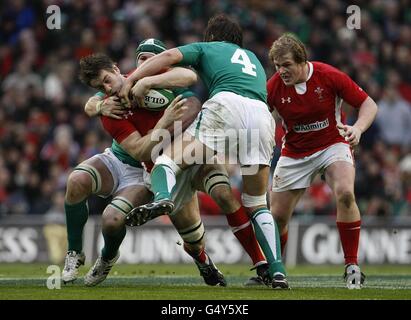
(307, 96)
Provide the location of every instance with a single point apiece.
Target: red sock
(350, 238)
(283, 241)
(199, 256)
(242, 228)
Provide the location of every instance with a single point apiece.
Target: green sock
(76, 218)
(268, 237)
(163, 180)
(112, 243)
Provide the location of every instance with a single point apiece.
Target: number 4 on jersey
(240, 56)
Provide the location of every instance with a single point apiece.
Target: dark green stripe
(93, 175)
(198, 124)
(120, 209)
(162, 165)
(124, 201)
(221, 182)
(262, 241)
(191, 230)
(217, 174)
(257, 212)
(194, 242)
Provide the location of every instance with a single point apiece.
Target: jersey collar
(301, 88)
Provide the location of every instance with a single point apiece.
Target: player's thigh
(340, 176)
(188, 216)
(282, 203)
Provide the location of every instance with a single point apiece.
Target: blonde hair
(285, 44)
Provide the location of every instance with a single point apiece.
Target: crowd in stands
(44, 132)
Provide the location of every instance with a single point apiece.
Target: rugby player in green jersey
(116, 170)
(236, 108)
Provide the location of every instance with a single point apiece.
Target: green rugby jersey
(225, 66)
(123, 156)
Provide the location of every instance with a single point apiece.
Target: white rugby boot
(72, 263)
(98, 273)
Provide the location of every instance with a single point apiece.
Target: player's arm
(139, 147)
(275, 115)
(347, 89)
(152, 66)
(177, 77)
(90, 107)
(110, 107)
(366, 116)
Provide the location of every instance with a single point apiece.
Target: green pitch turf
(181, 282)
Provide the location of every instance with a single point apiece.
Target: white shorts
(290, 173)
(239, 127)
(183, 190)
(123, 174)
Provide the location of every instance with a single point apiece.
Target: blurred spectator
(61, 149)
(394, 119)
(44, 133)
(405, 170)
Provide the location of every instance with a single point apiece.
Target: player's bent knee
(115, 213)
(112, 223)
(193, 236)
(86, 178)
(79, 186)
(346, 199)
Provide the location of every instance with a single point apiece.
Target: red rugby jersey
(311, 110)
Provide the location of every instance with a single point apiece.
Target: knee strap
(213, 179)
(193, 234)
(94, 174)
(121, 204)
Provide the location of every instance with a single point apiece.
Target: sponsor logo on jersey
(319, 91)
(315, 126)
(129, 114)
(284, 100)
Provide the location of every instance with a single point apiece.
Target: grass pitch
(182, 282)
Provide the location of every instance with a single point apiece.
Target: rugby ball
(158, 99)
